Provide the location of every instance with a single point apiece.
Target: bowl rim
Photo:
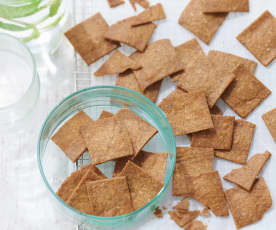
(99, 218)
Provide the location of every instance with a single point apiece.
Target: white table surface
(24, 201)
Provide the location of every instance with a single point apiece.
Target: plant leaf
(18, 2)
(12, 27)
(53, 24)
(35, 34)
(54, 7)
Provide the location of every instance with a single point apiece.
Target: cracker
(187, 112)
(88, 39)
(185, 218)
(245, 93)
(109, 197)
(225, 6)
(153, 13)
(229, 62)
(242, 139)
(144, 3)
(205, 213)
(249, 207)
(158, 61)
(218, 138)
(216, 110)
(68, 137)
(136, 37)
(142, 186)
(204, 26)
(260, 38)
(129, 81)
(204, 75)
(270, 122)
(117, 63)
(188, 53)
(109, 137)
(190, 162)
(158, 213)
(209, 192)
(196, 225)
(115, 3)
(182, 206)
(105, 114)
(139, 131)
(247, 175)
(79, 197)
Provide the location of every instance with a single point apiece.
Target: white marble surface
(24, 200)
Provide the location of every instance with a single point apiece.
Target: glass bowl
(54, 166)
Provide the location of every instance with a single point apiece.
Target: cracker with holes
(115, 3)
(218, 138)
(270, 122)
(245, 93)
(242, 139)
(107, 136)
(247, 175)
(225, 6)
(88, 39)
(187, 112)
(109, 197)
(260, 38)
(68, 137)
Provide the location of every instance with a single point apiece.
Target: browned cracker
(144, 3)
(245, 93)
(196, 225)
(182, 206)
(109, 137)
(242, 138)
(216, 110)
(136, 37)
(247, 175)
(139, 131)
(270, 121)
(218, 138)
(115, 3)
(249, 207)
(105, 114)
(129, 81)
(68, 137)
(88, 39)
(155, 12)
(205, 212)
(260, 38)
(158, 213)
(187, 112)
(204, 26)
(158, 61)
(204, 75)
(225, 6)
(109, 197)
(187, 53)
(79, 197)
(185, 218)
(209, 192)
(229, 62)
(142, 186)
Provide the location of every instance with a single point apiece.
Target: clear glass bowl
(54, 166)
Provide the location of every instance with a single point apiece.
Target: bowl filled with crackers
(107, 155)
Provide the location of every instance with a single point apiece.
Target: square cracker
(115, 3)
(136, 37)
(88, 39)
(187, 53)
(187, 112)
(229, 62)
(79, 197)
(107, 136)
(225, 6)
(158, 61)
(245, 93)
(68, 137)
(218, 138)
(142, 186)
(260, 38)
(270, 121)
(117, 63)
(204, 26)
(128, 80)
(153, 13)
(139, 131)
(203, 74)
(190, 162)
(247, 175)
(242, 139)
(249, 207)
(109, 197)
(207, 190)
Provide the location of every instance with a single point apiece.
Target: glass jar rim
(98, 218)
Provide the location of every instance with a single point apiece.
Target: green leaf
(18, 2)
(12, 27)
(54, 7)
(35, 34)
(53, 24)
